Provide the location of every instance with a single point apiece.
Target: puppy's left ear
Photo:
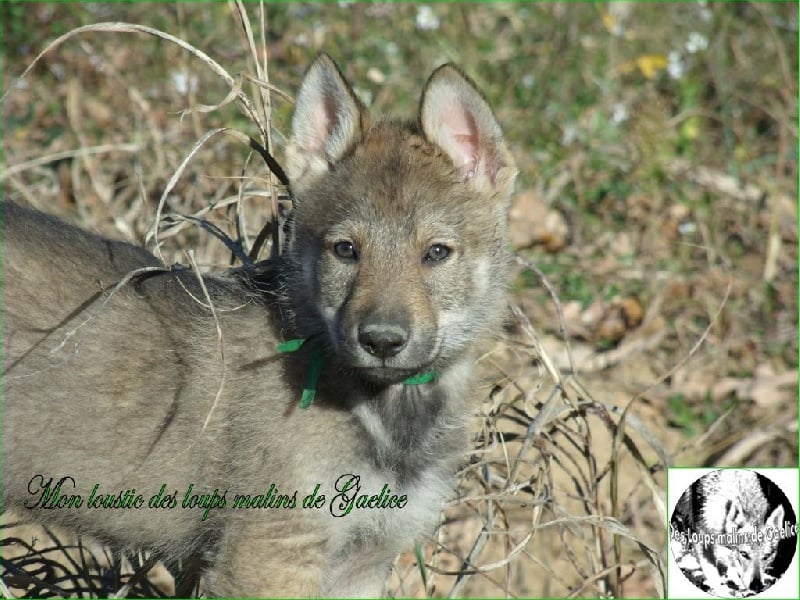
(454, 115)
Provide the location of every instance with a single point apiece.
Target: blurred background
(657, 149)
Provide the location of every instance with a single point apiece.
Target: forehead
(394, 182)
(397, 159)
(395, 172)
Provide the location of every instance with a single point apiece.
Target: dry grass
(657, 293)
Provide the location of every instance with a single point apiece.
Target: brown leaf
(533, 223)
(619, 316)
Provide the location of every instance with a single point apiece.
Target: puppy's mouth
(393, 375)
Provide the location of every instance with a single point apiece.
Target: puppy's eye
(436, 253)
(345, 249)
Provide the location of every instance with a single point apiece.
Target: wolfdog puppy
(296, 423)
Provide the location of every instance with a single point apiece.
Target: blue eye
(345, 250)
(436, 253)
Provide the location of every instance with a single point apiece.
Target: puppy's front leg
(266, 558)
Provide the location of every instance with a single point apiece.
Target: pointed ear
(454, 115)
(327, 121)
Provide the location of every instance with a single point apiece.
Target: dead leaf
(533, 223)
(619, 316)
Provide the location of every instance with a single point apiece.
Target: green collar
(315, 370)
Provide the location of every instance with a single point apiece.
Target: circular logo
(733, 533)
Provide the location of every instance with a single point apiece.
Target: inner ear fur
(454, 115)
(328, 120)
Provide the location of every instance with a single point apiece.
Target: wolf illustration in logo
(727, 521)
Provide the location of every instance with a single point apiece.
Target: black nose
(382, 339)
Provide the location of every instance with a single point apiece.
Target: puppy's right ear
(328, 119)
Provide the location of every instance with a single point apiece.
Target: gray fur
(116, 390)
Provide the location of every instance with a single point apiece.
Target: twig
(562, 324)
(220, 338)
(120, 27)
(77, 153)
